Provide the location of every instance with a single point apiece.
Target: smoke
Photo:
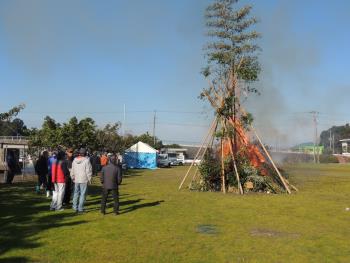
(286, 62)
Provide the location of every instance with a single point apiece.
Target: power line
(154, 128)
(112, 112)
(167, 124)
(314, 117)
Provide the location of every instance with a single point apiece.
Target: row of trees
(11, 126)
(74, 133)
(85, 133)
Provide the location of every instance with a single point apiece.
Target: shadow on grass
(132, 173)
(126, 204)
(20, 218)
(15, 260)
(136, 206)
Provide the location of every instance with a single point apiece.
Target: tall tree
(232, 56)
(70, 133)
(7, 116)
(87, 133)
(233, 49)
(109, 139)
(233, 65)
(10, 127)
(51, 134)
(147, 138)
(15, 127)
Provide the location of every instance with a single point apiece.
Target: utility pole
(314, 116)
(154, 128)
(330, 139)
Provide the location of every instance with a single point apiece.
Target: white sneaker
(47, 193)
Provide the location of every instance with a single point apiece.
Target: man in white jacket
(81, 174)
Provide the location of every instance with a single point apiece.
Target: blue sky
(89, 58)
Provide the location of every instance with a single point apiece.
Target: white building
(345, 147)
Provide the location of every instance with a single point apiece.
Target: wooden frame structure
(224, 95)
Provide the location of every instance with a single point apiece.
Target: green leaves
(72, 134)
(233, 45)
(7, 116)
(84, 133)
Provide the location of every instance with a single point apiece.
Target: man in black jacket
(11, 167)
(67, 164)
(95, 163)
(41, 169)
(110, 178)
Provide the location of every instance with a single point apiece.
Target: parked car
(190, 161)
(166, 160)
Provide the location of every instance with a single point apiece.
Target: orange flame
(256, 158)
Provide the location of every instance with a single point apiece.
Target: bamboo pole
(199, 150)
(273, 164)
(203, 154)
(223, 168)
(292, 186)
(235, 167)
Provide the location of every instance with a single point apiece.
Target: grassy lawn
(158, 223)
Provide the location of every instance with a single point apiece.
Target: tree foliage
(109, 139)
(339, 133)
(10, 126)
(16, 127)
(85, 133)
(7, 116)
(232, 49)
(232, 54)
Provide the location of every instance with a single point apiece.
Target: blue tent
(141, 155)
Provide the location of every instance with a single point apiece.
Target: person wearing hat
(81, 174)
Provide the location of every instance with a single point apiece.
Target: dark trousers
(68, 191)
(115, 194)
(42, 180)
(49, 185)
(10, 176)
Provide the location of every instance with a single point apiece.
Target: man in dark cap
(81, 174)
(111, 177)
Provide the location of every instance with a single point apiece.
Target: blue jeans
(79, 194)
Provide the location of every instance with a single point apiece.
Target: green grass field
(158, 223)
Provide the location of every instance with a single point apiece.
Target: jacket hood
(79, 160)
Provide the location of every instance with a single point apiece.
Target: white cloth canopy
(141, 147)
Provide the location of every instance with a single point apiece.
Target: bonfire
(230, 159)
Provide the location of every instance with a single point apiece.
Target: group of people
(61, 171)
